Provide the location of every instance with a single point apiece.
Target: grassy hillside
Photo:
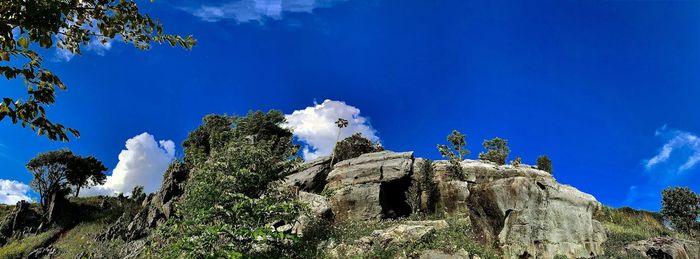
(627, 225)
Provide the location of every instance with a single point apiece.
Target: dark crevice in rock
(541, 185)
(392, 198)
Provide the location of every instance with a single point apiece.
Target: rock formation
(522, 209)
(666, 247)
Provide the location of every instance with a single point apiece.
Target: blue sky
(606, 89)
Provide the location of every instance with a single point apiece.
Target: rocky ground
(394, 205)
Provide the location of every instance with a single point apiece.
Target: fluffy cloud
(680, 152)
(315, 126)
(95, 46)
(143, 162)
(255, 10)
(13, 191)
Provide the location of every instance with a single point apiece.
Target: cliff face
(523, 210)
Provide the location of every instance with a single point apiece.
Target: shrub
(228, 207)
(517, 161)
(455, 153)
(496, 150)
(354, 146)
(544, 163)
(681, 207)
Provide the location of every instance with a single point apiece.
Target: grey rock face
(320, 213)
(666, 247)
(22, 220)
(538, 218)
(310, 176)
(371, 186)
(156, 209)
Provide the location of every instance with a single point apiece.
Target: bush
(544, 163)
(354, 146)
(681, 207)
(228, 207)
(516, 162)
(496, 151)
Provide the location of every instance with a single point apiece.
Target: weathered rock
(454, 197)
(537, 217)
(155, 210)
(22, 220)
(480, 171)
(357, 202)
(384, 166)
(310, 176)
(319, 214)
(371, 186)
(435, 254)
(42, 252)
(666, 248)
(397, 236)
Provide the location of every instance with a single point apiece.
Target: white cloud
(256, 10)
(13, 191)
(315, 126)
(680, 146)
(95, 46)
(143, 162)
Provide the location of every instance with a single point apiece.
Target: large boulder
(310, 176)
(22, 220)
(371, 186)
(536, 217)
(317, 215)
(665, 248)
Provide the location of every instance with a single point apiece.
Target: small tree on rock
(496, 151)
(681, 207)
(544, 163)
(354, 146)
(456, 153)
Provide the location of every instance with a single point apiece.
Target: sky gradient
(609, 90)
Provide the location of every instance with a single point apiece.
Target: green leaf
(23, 42)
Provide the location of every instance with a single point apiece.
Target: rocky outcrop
(22, 220)
(409, 232)
(371, 186)
(666, 248)
(318, 214)
(535, 217)
(310, 176)
(155, 210)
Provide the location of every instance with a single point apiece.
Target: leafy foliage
(68, 25)
(496, 150)
(681, 207)
(228, 206)
(544, 163)
(455, 153)
(354, 146)
(85, 172)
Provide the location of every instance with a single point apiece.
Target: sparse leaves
(67, 25)
(544, 163)
(681, 207)
(455, 153)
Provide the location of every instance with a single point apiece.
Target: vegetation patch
(22, 247)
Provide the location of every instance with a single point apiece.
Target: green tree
(29, 25)
(50, 172)
(455, 153)
(496, 150)
(85, 172)
(228, 204)
(355, 146)
(544, 163)
(681, 207)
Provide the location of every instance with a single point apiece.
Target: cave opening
(392, 198)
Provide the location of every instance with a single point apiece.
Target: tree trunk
(77, 190)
